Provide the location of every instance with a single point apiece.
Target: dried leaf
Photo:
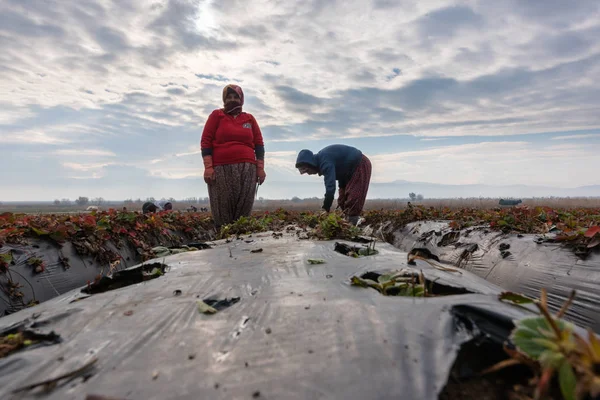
(500, 365)
(595, 242)
(205, 308)
(594, 341)
(516, 298)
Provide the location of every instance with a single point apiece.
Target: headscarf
(235, 88)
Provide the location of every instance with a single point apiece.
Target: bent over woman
(345, 164)
(233, 152)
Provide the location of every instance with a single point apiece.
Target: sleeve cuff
(259, 150)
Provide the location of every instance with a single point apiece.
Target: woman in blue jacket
(345, 164)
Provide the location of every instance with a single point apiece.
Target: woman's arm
(259, 145)
(208, 134)
(259, 151)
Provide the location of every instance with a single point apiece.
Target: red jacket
(232, 140)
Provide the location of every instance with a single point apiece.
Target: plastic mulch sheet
(63, 270)
(519, 263)
(229, 323)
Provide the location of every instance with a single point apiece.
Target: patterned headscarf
(236, 89)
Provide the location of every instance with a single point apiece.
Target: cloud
(582, 136)
(19, 24)
(177, 20)
(295, 97)
(84, 167)
(84, 152)
(495, 163)
(131, 83)
(219, 78)
(31, 136)
(385, 4)
(176, 91)
(448, 21)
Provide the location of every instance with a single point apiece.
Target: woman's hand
(209, 171)
(209, 175)
(260, 171)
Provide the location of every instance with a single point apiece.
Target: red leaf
(593, 230)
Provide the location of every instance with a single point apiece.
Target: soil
(492, 387)
(511, 383)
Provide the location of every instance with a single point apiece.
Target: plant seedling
(550, 346)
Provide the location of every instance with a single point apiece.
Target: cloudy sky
(109, 97)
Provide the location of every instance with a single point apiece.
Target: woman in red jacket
(233, 152)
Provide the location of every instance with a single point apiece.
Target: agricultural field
(304, 204)
(577, 225)
(101, 235)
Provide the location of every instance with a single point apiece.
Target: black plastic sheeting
(64, 270)
(297, 331)
(519, 263)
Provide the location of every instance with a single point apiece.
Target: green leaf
(161, 251)
(547, 343)
(567, 381)
(516, 298)
(39, 232)
(532, 335)
(356, 281)
(526, 330)
(384, 278)
(6, 257)
(205, 308)
(408, 290)
(418, 291)
(551, 358)
(367, 251)
(316, 261)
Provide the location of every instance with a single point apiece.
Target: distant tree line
(413, 197)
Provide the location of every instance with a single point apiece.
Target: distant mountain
(279, 188)
(401, 189)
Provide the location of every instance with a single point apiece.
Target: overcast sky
(109, 98)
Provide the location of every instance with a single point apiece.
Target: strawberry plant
(553, 350)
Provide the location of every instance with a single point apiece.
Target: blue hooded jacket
(336, 163)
